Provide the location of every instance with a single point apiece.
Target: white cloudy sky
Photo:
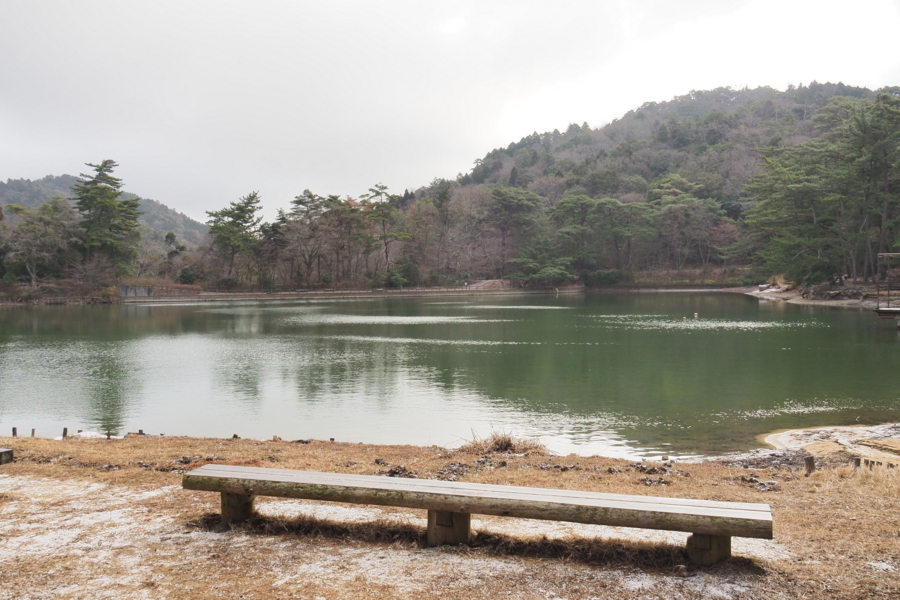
(202, 102)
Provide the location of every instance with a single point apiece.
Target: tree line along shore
(724, 186)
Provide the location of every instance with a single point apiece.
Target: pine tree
(109, 221)
(234, 228)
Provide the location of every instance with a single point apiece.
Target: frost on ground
(79, 540)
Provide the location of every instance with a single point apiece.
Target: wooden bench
(451, 504)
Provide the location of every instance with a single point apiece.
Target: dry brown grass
(838, 530)
(503, 443)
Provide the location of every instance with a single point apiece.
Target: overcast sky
(204, 102)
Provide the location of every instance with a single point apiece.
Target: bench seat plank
(286, 475)
(676, 514)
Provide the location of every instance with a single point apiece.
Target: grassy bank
(107, 518)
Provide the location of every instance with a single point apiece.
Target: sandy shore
(874, 442)
(792, 296)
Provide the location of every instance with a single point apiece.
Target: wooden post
(65, 432)
(32, 432)
(706, 550)
(237, 507)
(857, 461)
(446, 527)
(810, 465)
(14, 432)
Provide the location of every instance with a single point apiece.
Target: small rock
(658, 481)
(400, 471)
(453, 471)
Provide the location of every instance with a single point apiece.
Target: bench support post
(237, 507)
(446, 527)
(706, 550)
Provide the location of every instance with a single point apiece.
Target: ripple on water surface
(339, 319)
(438, 342)
(661, 322)
(515, 307)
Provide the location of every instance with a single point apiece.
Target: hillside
(710, 138)
(157, 220)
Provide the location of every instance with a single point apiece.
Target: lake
(629, 375)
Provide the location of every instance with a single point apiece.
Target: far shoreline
(485, 288)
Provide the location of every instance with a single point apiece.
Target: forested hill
(803, 183)
(157, 218)
(710, 138)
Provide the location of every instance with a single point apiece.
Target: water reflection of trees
(115, 321)
(112, 388)
(327, 368)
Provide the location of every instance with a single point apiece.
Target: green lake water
(619, 375)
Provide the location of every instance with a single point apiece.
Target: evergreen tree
(110, 222)
(511, 210)
(234, 227)
(828, 206)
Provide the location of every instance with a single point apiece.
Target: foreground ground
(97, 518)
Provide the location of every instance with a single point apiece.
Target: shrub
(604, 277)
(186, 276)
(503, 442)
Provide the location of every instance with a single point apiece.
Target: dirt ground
(97, 518)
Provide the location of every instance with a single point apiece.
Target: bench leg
(705, 550)
(237, 507)
(446, 527)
